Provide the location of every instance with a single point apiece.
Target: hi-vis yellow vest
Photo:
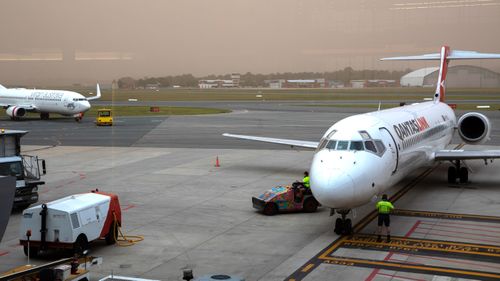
(384, 207)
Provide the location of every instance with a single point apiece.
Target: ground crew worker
(306, 182)
(384, 208)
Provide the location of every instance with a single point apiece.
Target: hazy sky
(111, 39)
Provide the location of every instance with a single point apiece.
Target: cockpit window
(342, 145)
(322, 144)
(356, 145)
(380, 147)
(330, 135)
(79, 99)
(365, 135)
(331, 144)
(370, 146)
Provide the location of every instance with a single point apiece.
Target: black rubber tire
(44, 116)
(310, 205)
(348, 227)
(112, 234)
(81, 244)
(464, 175)
(452, 175)
(339, 226)
(270, 209)
(33, 251)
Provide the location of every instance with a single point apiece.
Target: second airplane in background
(18, 101)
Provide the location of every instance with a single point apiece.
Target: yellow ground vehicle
(104, 117)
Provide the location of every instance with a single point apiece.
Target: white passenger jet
(361, 156)
(18, 101)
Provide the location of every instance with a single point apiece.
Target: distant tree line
(257, 80)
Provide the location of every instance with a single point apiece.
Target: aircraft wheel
(464, 175)
(44, 116)
(348, 227)
(339, 226)
(452, 175)
(310, 205)
(270, 209)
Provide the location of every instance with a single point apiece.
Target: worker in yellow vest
(384, 208)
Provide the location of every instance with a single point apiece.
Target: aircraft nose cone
(85, 105)
(332, 188)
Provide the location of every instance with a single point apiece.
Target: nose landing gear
(343, 226)
(78, 117)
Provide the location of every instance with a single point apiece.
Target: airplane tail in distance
(98, 94)
(444, 57)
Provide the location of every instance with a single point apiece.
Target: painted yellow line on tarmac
(308, 267)
(399, 266)
(404, 243)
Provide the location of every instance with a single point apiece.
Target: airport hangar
(196, 215)
(459, 76)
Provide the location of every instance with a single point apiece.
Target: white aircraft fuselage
(360, 157)
(395, 142)
(54, 101)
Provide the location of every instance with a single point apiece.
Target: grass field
(185, 94)
(494, 106)
(145, 111)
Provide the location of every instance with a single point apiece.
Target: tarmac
(195, 215)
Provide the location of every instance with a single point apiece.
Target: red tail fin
(443, 70)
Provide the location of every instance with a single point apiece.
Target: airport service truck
(25, 168)
(71, 222)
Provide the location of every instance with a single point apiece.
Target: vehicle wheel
(452, 175)
(310, 205)
(33, 251)
(81, 244)
(339, 226)
(271, 209)
(112, 234)
(464, 175)
(348, 227)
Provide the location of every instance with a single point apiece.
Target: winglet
(98, 95)
(2, 87)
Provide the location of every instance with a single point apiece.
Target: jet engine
(14, 111)
(474, 128)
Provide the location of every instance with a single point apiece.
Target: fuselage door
(393, 148)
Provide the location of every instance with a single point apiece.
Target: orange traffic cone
(217, 164)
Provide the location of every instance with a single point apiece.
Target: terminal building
(296, 83)
(234, 82)
(460, 76)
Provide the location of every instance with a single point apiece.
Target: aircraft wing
(298, 143)
(466, 154)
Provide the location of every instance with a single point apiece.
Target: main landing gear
(457, 172)
(343, 226)
(44, 116)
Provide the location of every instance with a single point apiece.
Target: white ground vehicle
(70, 222)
